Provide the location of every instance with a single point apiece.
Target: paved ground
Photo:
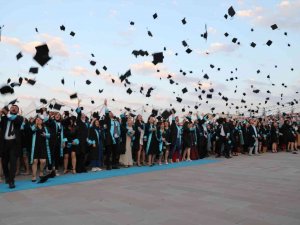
(257, 190)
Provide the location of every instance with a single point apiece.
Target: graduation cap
(166, 114)
(149, 33)
(231, 11)
(88, 82)
(97, 72)
(92, 101)
(101, 90)
(72, 33)
(154, 112)
(274, 26)
(205, 34)
(19, 55)
(149, 92)
(269, 42)
(125, 76)
(206, 76)
(57, 106)
(31, 81)
(93, 63)
(154, 15)
(62, 27)
(36, 30)
(6, 89)
(51, 106)
(234, 40)
(226, 34)
(34, 70)
(256, 91)
(129, 91)
(209, 96)
(212, 66)
(44, 101)
(62, 81)
(172, 81)
(252, 44)
(178, 99)
(42, 54)
(104, 68)
(131, 23)
(184, 90)
(252, 29)
(96, 115)
(188, 51)
(157, 57)
(225, 98)
(184, 43)
(72, 96)
(258, 71)
(183, 21)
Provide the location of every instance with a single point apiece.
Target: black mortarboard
(8, 80)
(101, 90)
(104, 68)
(184, 90)
(252, 29)
(51, 106)
(252, 44)
(274, 26)
(72, 96)
(172, 81)
(178, 99)
(97, 72)
(231, 11)
(209, 96)
(157, 58)
(225, 98)
(125, 76)
(93, 63)
(149, 33)
(234, 40)
(36, 30)
(206, 76)
(88, 82)
(131, 23)
(44, 101)
(42, 54)
(183, 21)
(57, 106)
(226, 34)
(72, 33)
(211, 66)
(31, 81)
(96, 115)
(256, 91)
(33, 70)
(129, 91)
(6, 90)
(154, 15)
(269, 42)
(258, 71)
(166, 114)
(226, 16)
(184, 43)
(19, 55)
(188, 51)
(92, 101)
(62, 27)
(63, 81)
(211, 90)
(154, 112)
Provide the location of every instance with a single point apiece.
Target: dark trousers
(55, 157)
(175, 149)
(112, 154)
(202, 149)
(222, 141)
(81, 158)
(10, 155)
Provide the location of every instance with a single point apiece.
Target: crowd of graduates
(52, 144)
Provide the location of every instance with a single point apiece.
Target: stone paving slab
(262, 190)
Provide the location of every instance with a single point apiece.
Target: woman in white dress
(126, 159)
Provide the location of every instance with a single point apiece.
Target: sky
(103, 28)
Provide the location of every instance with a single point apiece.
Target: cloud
(56, 45)
(285, 14)
(217, 47)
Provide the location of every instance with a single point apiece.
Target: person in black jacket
(138, 147)
(176, 138)
(274, 136)
(11, 135)
(112, 139)
(83, 131)
(253, 138)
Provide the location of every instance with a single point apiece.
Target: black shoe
(11, 185)
(116, 167)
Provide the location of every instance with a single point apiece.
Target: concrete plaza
(256, 190)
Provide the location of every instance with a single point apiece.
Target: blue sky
(102, 28)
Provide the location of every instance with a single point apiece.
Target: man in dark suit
(176, 138)
(10, 125)
(112, 140)
(222, 138)
(253, 138)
